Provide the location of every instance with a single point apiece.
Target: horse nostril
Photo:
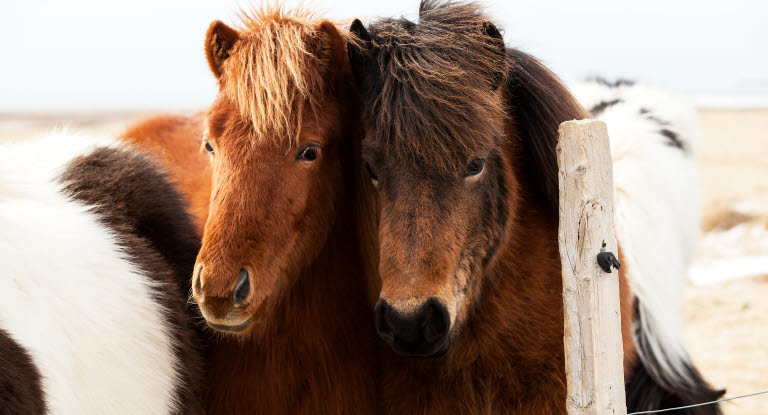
(243, 287)
(437, 321)
(381, 315)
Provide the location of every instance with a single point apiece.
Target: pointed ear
(497, 42)
(359, 51)
(332, 50)
(218, 43)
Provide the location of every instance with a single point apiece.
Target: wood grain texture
(593, 347)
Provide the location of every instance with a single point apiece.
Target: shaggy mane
(276, 69)
(435, 99)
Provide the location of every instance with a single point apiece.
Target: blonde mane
(275, 69)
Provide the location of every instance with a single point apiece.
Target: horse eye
(307, 153)
(475, 167)
(368, 168)
(207, 145)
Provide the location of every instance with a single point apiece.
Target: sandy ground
(726, 322)
(734, 158)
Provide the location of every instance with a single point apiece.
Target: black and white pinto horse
(654, 136)
(96, 250)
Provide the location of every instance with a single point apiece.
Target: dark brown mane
(443, 69)
(539, 102)
(434, 96)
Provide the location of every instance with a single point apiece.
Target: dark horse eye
(209, 147)
(307, 152)
(368, 168)
(475, 167)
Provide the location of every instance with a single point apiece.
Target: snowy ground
(734, 176)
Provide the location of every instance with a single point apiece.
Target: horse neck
(313, 352)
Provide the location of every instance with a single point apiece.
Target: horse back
(175, 142)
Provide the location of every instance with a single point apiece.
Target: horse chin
(442, 351)
(436, 353)
(238, 329)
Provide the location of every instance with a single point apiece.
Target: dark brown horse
(280, 274)
(460, 144)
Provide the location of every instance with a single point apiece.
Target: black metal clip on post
(606, 260)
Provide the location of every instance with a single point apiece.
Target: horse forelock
(276, 70)
(434, 100)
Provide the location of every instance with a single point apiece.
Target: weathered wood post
(593, 346)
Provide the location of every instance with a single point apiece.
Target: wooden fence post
(593, 346)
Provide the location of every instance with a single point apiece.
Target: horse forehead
(421, 184)
(429, 160)
(254, 157)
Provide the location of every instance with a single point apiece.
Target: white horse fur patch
(69, 296)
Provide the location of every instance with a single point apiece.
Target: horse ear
(497, 42)
(332, 50)
(359, 52)
(218, 43)
(538, 102)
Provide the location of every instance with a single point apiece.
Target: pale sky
(148, 54)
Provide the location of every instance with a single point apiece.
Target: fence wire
(698, 404)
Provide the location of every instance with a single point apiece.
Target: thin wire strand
(698, 404)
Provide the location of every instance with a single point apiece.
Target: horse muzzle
(423, 333)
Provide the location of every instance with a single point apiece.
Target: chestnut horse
(460, 145)
(174, 142)
(280, 276)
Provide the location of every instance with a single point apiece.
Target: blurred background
(98, 65)
(147, 54)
